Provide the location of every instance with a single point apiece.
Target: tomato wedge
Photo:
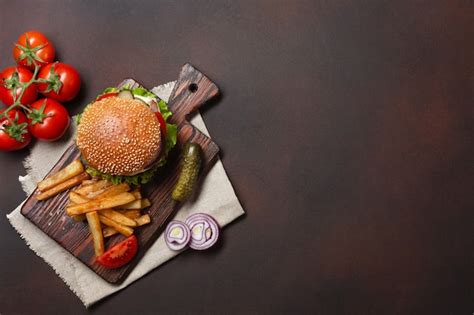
(120, 254)
(106, 95)
(162, 123)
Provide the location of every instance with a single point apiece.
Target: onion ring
(204, 231)
(177, 235)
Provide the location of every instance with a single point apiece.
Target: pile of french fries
(109, 209)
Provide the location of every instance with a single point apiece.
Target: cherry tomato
(106, 95)
(120, 254)
(63, 81)
(33, 47)
(11, 79)
(14, 137)
(162, 123)
(48, 119)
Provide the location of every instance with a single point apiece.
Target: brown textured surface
(50, 216)
(361, 202)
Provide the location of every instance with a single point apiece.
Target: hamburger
(125, 136)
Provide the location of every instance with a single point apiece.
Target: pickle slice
(126, 94)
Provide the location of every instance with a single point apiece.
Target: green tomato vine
(14, 129)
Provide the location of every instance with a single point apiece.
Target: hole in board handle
(193, 87)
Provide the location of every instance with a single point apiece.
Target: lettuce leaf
(143, 92)
(78, 119)
(170, 142)
(135, 180)
(109, 90)
(171, 137)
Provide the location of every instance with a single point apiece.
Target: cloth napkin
(216, 198)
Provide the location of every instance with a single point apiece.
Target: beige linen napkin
(216, 198)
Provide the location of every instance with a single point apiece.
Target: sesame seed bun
(119, 136)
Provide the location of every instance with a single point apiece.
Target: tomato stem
(17, 98)
(25, 86)
(10, 121)
(25, 108)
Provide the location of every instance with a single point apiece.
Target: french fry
(101, 193)
(118, 217)
(145, 203)
(96, 231)
(137, 194)
(110, 191)
(71, 182)
(89, 182)
(122, 229)
(76, 198)
(130, 213)
(108, 231)
(137, 204)
(144, 219)
(101, 203)
(70, 171)
(99, 185)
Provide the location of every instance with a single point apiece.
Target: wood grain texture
(191, 91)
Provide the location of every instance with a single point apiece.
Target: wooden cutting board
(192, 90)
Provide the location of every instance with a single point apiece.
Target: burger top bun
(119, 136)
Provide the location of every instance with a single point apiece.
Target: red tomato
(14, 137)
(120, 254)
(11, 79)
(48, 120)
(63, 81)
(162, 123)
(106, 95)
(33, 47)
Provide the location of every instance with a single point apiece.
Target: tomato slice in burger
(162, 123)
(107, 95)
(120, 254)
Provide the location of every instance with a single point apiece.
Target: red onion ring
(204, 231)
(177, 235)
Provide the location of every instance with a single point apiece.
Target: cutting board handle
(192, 89)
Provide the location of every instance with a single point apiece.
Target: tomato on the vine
(120, 254)
(13, 136)
(59, 81)
(12, 80)
(48, 119)
(33, 47)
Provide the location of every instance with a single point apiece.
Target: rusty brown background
(346, 128)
